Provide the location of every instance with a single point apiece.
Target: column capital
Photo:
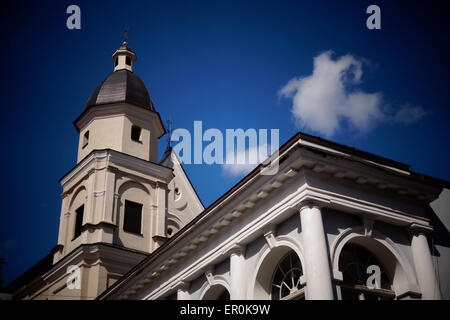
(161, 185)
(416, 229)
(307, 204)
(112, 169)
(269, 229)
(182, 285)
(65, 195)
(208, 271)
(368, 226)
(238, 249)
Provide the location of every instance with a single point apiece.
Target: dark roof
(46, 263)
(121, 86)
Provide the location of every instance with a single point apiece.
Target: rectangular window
(136, 133)
(78, 221)
(85, 138)
(128, 61)
(133, 217)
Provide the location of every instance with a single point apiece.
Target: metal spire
(126, 33)
(169, 132)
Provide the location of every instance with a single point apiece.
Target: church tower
(119, 203)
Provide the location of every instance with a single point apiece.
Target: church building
(329, 222)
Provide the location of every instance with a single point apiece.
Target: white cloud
(327, 98)
(242, 162)
(408, 114)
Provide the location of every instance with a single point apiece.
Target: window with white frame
(286, 280)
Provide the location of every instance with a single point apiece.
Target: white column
(238, 281)
(183, 291)
(317, 268)
(423, 263)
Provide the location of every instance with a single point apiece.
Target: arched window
(172, 228)
(286, 280)
(354, 263)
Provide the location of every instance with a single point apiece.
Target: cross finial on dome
(126, 33)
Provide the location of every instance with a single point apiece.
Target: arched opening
(217, 292)
(368, 270)
(280, 276)
(172, 228)
(286, 284)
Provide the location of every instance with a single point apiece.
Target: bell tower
(114, 201)
(119, 203)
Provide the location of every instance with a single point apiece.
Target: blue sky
(224, 63)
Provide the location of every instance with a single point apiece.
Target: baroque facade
(118, 203)
(329, 218)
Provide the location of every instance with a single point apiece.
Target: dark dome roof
(121, 86)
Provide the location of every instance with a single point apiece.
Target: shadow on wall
(440, 235)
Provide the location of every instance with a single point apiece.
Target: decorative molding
(415, 228)
(368, 226)
(308, 203)
(269, 235)
(181, 285)
(99, 193)
(119, 158)
(112, 169)
(162, 185)
(237, 249)
(99, 225)
(209, 276)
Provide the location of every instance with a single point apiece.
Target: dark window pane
(85, 139)
(128, 61)
(133, 215)
(117, 61)
(353, 263)
(225, 295)
(135, 133)
(78, 221)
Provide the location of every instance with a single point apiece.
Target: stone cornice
(118, 158)
(303, 195)
(236, 249)
(92, 251)
(397, 183)
(248, 193)
(140, 114)
(416, 228)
